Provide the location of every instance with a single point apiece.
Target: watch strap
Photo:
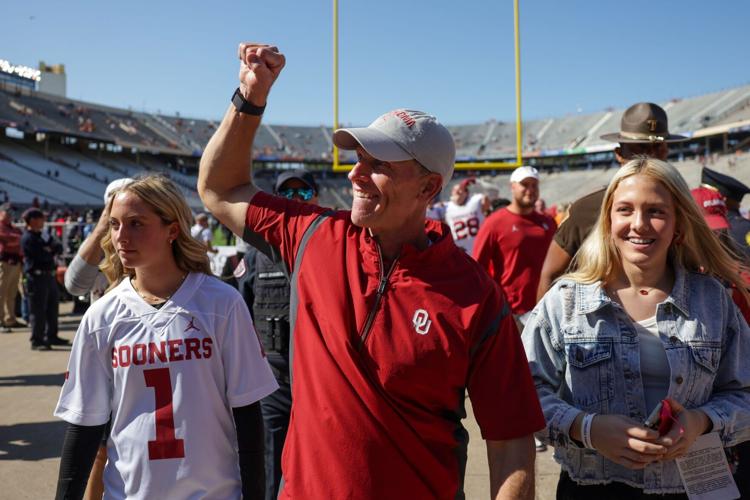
(244, 106)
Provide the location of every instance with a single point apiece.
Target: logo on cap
(405, 117)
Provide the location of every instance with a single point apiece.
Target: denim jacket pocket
(705, 364)
(589, 372)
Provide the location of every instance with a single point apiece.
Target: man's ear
(431, 187)
(618, 156)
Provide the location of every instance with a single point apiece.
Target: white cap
(404, 134)
(522, 173)
(114, 186)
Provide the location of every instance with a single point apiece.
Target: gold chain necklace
(154, 298)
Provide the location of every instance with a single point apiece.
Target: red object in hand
(665, 417)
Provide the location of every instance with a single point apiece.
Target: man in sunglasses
(391, 323)
(269, 278)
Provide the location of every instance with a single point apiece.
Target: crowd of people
(340, 364)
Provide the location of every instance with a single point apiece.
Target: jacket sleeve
(729, 405)
(545, 350)
(80, 276)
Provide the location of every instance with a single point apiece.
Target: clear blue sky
(453, 59)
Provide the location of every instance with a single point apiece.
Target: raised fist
(260, 65)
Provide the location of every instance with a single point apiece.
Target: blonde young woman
(644, 318)
(170, 355)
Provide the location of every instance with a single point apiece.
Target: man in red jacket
(10, 268)
(391, 323)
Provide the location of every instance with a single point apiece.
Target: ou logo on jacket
(421, 321)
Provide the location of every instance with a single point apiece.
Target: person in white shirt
(202, 232)
(464, 214)
(169, 354)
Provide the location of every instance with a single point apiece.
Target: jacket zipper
(365, 332)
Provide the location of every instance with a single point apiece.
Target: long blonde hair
(166, 200)
(697, 248)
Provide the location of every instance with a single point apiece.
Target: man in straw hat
(643, 131)
(390, 322)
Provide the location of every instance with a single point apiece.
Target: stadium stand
(83, 146)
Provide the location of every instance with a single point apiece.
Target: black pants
(742, 476)
(43, 307)
(567, 489)
(276, 408)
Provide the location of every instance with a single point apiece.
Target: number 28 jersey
(169, 378)
(464, 221)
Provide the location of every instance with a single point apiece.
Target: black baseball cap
(299, 174)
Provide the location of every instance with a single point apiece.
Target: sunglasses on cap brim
(305, 193)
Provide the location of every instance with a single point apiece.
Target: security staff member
(39, 268)
(263, 280)
(733, 191)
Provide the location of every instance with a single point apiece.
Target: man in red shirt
(390, 322)
(512, 243)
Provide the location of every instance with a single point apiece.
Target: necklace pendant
(643, 292)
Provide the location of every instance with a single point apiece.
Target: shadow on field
(31, 441)
(40, 379)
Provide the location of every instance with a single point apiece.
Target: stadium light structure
(338, 166)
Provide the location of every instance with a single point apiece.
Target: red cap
(713, 207)
(468, 182)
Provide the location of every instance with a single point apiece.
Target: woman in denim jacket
(643, 318)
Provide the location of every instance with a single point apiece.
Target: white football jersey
(169, 378)
(464, 221)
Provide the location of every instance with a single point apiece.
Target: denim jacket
(584, 356)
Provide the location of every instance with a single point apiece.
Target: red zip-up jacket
(382, 358)
(10, 243)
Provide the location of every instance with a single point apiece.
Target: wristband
(243, 106)
(582, 429)
(586, 430)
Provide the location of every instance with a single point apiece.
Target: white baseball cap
(114, 186)
(522, 173)
(404, 134)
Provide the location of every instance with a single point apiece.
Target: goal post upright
(471, 165)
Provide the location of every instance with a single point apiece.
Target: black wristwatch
(244, 106)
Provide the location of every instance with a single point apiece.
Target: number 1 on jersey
(165, 445)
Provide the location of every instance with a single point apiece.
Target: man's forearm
(226, 162)
(518, 485)
(511, 465)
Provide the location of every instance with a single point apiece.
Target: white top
(654, 363)
(464, 221)
(169, 378)
(201, 233)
